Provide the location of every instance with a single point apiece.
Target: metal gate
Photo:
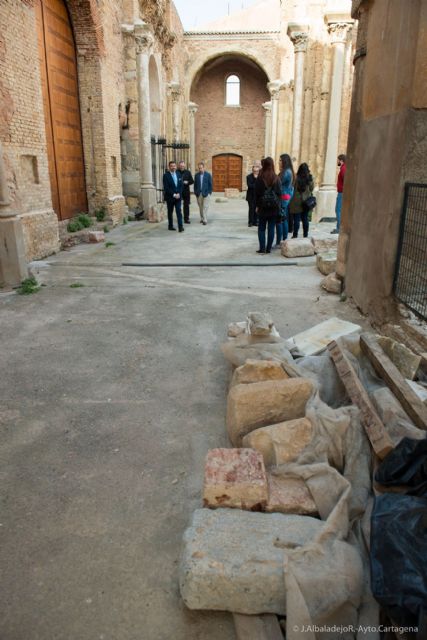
(410, 278)
(162, 152)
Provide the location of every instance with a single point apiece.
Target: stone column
(13, 266)
(192, 108)
(267, 143)
(274, 88)
(175, 92)
(144, 42)
(298, 33)
(338, 30)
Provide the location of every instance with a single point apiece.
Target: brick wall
(222, 129)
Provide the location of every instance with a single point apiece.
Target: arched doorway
(227, 171)
(58, 70)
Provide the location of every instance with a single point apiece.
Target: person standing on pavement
(250, 196)
(287, 179)
(267, 193)
(304, 185)
(172, 186)
(341, 161)
(203, 190)
(187, 181)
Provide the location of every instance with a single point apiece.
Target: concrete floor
(112, 393)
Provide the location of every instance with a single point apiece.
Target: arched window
(232, 91)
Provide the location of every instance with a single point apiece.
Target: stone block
(326, 262)
(403, 358)
(231, 193)
(251, 406)
(236, 328)
(325, 244)
(96, 236)
(235, 478)
(316, 339)
(233, 560)
(289, 495)
(297, 248)
(259, 323)
(221, 200)
(282, 442)
(258, 371)
(13, 266)
(331, 283)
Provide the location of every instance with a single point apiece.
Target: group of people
(176, 187)
(278, 203)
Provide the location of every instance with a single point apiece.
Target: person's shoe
(260, 251)
(334, 231)
(250, 224)
(201, 221)
(295, 236)
(268, 251)
(172, 228)
(204, 222)
(187, 221)
(181, 229)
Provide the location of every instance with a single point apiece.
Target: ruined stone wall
(225, 129)
(389, 127)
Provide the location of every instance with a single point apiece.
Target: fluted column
(298, 33)
(267, 143)
(192, 108)
(144, 42)
(175, 92)
(274, 89)
(338, 31)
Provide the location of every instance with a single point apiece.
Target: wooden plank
(262, 627)
(382, 364)
(375, 430)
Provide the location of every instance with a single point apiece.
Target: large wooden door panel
(227, 172)
(62, 109)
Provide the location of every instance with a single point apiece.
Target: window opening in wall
(114, 166)
(232, 91)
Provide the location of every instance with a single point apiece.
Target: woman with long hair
(304, 185)
(267, 193)
(287, 179)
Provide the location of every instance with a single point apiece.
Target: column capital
(174, 90)
(192, 108)
(339, 26)
(274, 87)
(267, 107)
(298, 33)
(144, 39)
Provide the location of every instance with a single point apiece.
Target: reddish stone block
(96, 236)
(235, 478)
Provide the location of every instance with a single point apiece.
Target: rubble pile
(285, 527)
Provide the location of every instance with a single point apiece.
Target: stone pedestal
(13, 267)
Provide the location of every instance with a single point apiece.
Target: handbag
(310, 203)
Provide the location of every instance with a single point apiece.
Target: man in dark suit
(187, 181)
(172, 186)
(203, 190)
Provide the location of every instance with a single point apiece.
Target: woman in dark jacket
(287, 179)
(267, 193)
(250, 195)
(304, 185)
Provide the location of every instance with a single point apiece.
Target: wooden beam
(262, 627)
(385, 368)
(375, 430)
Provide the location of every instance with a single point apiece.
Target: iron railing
(410, 278)
(162, 152)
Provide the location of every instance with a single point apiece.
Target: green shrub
(76, 285)
(125, 221)
(29, 285)
(84, 220)
(74, 226)
(109, 244)
(106, 229)
(100, 214)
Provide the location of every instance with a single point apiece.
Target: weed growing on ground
(125, 221)
(76, 285)
(84, 220)
(29, 285)
(74, 226)
(109, 244)
(100, 214)
(130, 219)
(106, 229)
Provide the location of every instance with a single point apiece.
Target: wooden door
(227, 172)
(58, 70)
